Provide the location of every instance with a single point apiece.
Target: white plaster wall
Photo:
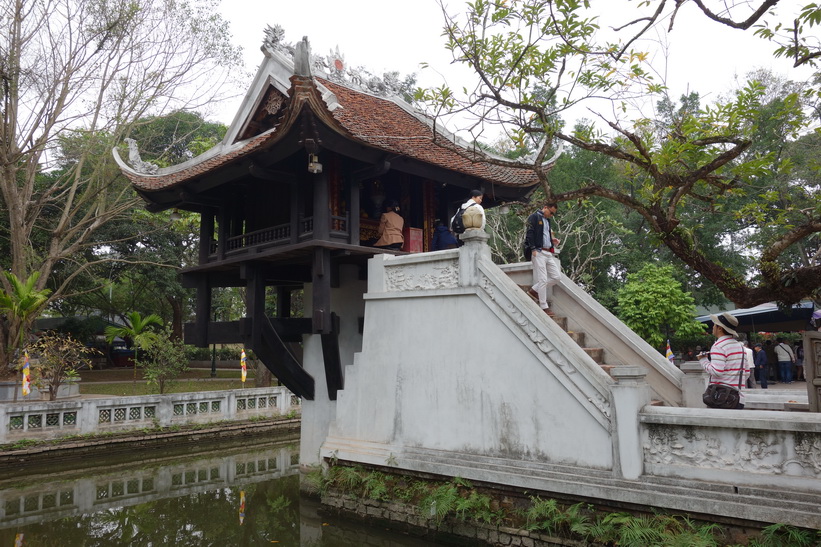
(348, 304)
(422, 382)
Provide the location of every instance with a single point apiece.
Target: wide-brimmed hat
(726, 322)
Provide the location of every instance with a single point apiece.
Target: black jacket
(534, 237)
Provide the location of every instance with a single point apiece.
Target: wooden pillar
(322, 212)
(202, 312)
(296, 211)
(321, 313)
(254, 299)
(353, 213)
(283, 302)
(206, 234)
(222, 236)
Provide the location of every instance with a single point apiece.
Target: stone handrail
(54, 419)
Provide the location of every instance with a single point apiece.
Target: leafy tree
(164, 360)
(20, 306)
(176, 137)
(653, 304)
(58, 358)
(145, 251)
(789, 31)
(678, 170)
(67, 102)
(138, 332)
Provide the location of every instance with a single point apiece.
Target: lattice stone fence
(53, 419)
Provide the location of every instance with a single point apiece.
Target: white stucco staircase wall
(456, 358)
(460, 374)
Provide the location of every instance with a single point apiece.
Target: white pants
(545, 274)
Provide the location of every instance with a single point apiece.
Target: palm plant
(137, 331)
(21, 305)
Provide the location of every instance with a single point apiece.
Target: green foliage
(24, 300)
(710, 182)
(23, 444)
(61, 188)
(56, 358)
(440, 502)
(82, 329)
(20, 304)
(653, 304)
(347, 478)
(138, 332)
(549, 517)
(375, 486)
(477, 507)
(783, 535)
(176, 137)
(164, 360)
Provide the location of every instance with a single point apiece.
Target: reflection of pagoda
(291, 198)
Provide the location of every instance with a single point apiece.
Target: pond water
(224, 495)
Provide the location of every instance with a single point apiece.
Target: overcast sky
(384, 35)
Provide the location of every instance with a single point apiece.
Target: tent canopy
(769, 318)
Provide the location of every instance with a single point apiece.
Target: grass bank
(120, 382)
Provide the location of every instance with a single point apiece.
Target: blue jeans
(763, 373)
(786, 371)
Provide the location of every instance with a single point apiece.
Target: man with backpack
(457, 224)
(540, 246)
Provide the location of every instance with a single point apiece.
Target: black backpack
(457, 225)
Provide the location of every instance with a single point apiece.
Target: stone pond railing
(53, 419)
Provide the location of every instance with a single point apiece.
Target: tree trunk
(262, 378)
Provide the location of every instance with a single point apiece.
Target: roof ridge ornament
(302, 58)
(137, 163)
(332, 66)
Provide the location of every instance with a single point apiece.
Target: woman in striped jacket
(726, 362)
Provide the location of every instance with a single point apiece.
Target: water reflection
(240, 495)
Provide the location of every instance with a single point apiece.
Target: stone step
(577, 337)
(561, 321)
(597, 354)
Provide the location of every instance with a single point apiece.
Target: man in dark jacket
(761, 365)
(540, 246)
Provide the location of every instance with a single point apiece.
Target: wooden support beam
(283, 302)
(254, 298)
(353, 213)
(330, 356)
(322, 209)
(321, 279)
(199, 337)
(206, 234)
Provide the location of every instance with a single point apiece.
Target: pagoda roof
(285, 94)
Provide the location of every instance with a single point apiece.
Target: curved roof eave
(398, 129)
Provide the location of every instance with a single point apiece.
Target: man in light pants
(541, 243)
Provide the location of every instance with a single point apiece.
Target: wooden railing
(279, 234)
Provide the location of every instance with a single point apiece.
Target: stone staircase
(597, 354)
